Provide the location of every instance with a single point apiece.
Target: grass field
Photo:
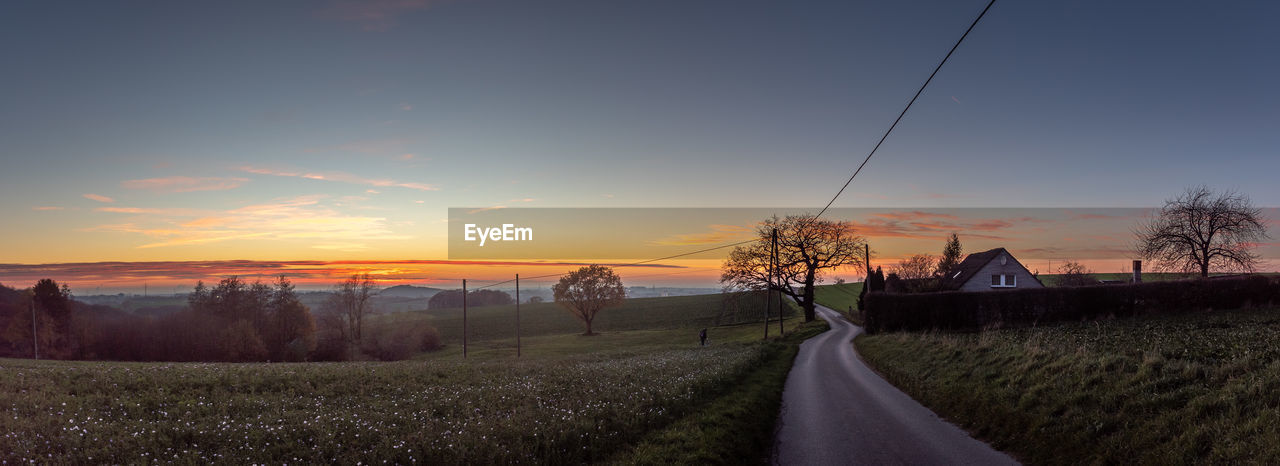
(547, 327)
(841, 297)
(1181, 389)
(572, 399)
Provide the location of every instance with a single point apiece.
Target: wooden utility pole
(866, 247)
(778, 278)
(464, 318)
(35, 342)
(768, 297)
(517, 315)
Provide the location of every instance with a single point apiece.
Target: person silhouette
(702, 337)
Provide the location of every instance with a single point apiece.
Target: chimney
(1137, 271)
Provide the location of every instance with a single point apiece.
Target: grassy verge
(1191, 388)
(842, 297)
(736, 427)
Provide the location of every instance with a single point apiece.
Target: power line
(633, 263)
(904, 110)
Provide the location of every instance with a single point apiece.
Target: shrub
(395, 343)
(967, 310)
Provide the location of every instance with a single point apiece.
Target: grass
(842, 297)
(572, 399)
(731, 429)
(663, 321)
(1174, 389)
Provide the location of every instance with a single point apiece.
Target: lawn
(1174, 389)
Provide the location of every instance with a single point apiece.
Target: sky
(342, 132)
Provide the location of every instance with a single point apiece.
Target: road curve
(836, 410)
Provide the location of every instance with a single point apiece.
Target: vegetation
(587, 291)
(1193, 388)
(1200, 231)
(806, 247)
(730, 429)
(1074, 273)
(843, 297)
(951, 257)
(570, 400)
(475, 298)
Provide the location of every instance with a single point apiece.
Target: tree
(351, 298)
(950, 257)
(1074, 273)
(290, 336)
(1202, 231)
(588, 290)
(807, 246)
(916, 272)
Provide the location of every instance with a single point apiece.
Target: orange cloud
(718, 234)
(182, 184)
(99, 198)
(341, 177)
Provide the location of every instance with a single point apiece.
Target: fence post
(464, 318)
(517, 315)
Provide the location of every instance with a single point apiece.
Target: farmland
(1187, 388)
(612, 397)
(841, 297)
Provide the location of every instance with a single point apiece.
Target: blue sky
(383, 114)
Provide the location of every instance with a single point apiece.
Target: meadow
(571, 399)
(1170, 389)
(840, 297)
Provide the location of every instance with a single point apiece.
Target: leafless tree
(1201, 231)
(806, 247)
(1074, 273)
(584, 292)
(917, 272)
(352, 302)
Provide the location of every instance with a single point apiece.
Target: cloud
(99, 198)
(46, 208)
(182, 184)
(717, 234)
(372, 15)
(405, 107)
(341, 177)
(301, 218)
(152, 211)
(304, 271)
(914, 215)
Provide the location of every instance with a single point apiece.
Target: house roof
(967, 268)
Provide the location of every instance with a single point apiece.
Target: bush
(395, 343)
(967, 310)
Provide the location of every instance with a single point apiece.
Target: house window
(1004, 281)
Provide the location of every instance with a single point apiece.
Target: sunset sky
(169, 139)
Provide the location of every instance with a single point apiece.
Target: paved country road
(836, 410)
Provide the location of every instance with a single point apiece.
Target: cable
(904, 111)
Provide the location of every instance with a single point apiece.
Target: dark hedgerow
(968, 310)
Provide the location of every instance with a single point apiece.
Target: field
(842, 297)
(548, 328)
(616, 397)
(1174, 389)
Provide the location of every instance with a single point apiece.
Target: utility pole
(517, 315)
(778, 277)
(866, 247)
(35, 343)
(768, 298)
(464, 318)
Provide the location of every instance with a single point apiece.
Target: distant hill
(409, 291)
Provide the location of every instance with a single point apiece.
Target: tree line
(234, 321)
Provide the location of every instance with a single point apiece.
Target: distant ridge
(409, 291)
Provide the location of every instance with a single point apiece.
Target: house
(990, 270)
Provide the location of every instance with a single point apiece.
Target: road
(836, 410)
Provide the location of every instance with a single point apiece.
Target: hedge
(970, 310)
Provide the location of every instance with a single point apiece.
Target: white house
(990, 270)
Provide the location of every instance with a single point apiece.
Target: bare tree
(1201, 231)
(584, 292)
(351, 298)
(917, 272)
(1074, 273)
(807, 246)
